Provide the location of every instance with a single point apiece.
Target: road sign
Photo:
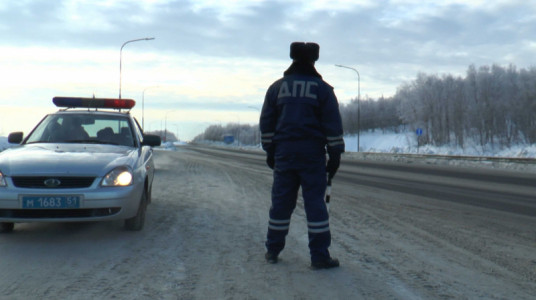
(418, 131)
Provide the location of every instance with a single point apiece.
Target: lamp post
(165, 126)
(177, 131)
(238, 132)
(256, 132)
(121, 58)
(143, 106)
(151, 125)
(358, 98)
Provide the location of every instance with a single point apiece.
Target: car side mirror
(15, 137)
(151, 140)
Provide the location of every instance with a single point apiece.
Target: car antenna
(90, 104)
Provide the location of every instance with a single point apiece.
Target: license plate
(51, 202)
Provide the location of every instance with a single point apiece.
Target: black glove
(333, 164)
(270, 160)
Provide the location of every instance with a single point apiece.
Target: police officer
(300, 120)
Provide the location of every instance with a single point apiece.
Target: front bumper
(98, 204)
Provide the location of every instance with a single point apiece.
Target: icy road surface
(204, 238)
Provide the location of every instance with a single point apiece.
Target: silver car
(90, 161)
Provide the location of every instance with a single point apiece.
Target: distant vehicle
(90, 161)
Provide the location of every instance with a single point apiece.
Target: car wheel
(6, 227)
(136, 223)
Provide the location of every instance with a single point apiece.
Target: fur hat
(308, 52)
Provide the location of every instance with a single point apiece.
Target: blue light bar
(80, 102)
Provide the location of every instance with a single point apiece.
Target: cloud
(224, 54)
(362, 31)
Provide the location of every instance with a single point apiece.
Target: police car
(89, 161)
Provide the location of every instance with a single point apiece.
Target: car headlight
(121, 176)
(2, 180)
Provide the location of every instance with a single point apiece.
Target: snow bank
(391, 142)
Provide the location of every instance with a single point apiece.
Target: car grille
(58, 213)
(39, 182)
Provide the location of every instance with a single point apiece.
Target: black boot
(271, 257)
(325, 264)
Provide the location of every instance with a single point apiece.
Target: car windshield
(83, 128)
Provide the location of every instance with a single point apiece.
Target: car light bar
(75, 102)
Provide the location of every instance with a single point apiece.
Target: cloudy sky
(211, 61)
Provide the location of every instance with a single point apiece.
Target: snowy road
(205, 232)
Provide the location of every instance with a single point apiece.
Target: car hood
(65, 159)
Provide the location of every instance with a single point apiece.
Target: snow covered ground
(204, 239)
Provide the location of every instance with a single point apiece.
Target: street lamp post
(151, 126)
(165, 126)
(143, 106)
(358, 104)
(121, 58)
(238, 137)
(256, 131)
(177, 131)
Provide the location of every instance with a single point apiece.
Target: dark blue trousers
(291, 172)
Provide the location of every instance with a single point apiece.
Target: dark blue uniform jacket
(301, 115)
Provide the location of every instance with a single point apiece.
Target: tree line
(490, 105)
(243, 134)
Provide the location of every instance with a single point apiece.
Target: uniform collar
(300, 68)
